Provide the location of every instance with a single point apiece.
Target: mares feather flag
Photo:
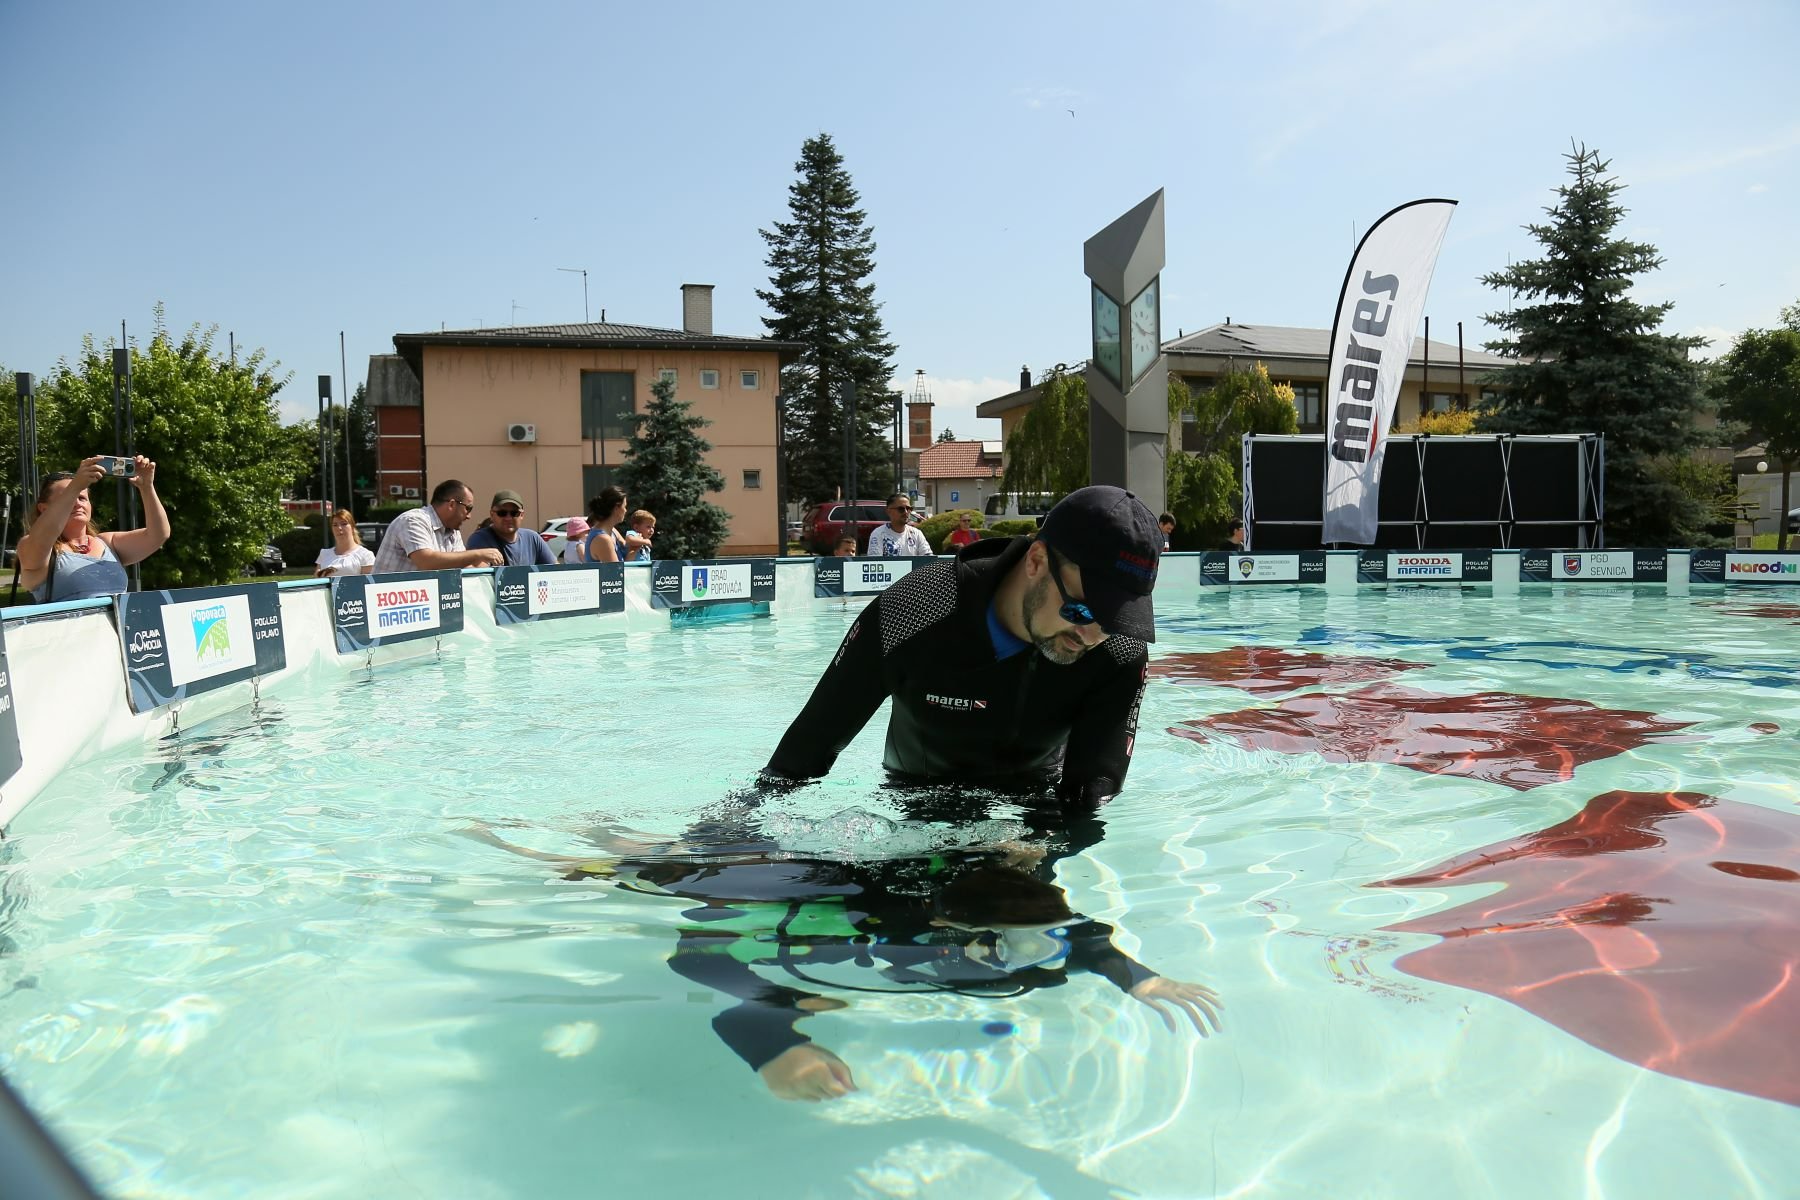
(1371, 340)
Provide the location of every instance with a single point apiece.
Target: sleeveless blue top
(78, 577)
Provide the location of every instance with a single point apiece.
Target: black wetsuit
(763, 927)
(961, 715)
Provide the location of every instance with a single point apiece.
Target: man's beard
(1054, 648)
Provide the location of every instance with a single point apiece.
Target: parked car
(1794, 520)
(554, 532)
(370, 532)
(824, 523)
(269, 562)
(793, 531)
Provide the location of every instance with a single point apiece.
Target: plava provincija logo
(699, 582)
(212, 634)
(1245, 566)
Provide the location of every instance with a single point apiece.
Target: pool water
(267, 959)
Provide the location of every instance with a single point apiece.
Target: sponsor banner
(1743, 566)
(691, 583)
(181, 643)
(380, 610)
(1593, 566)
(1306, 566)
(1425, 566)
(858, 576)
(10, 756)
(1378, 312)
(536, 592)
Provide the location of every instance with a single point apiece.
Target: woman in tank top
(64, 557)
(605, 543)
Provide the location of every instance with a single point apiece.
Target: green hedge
(387, 512)
(1012, 528)
(299, 547)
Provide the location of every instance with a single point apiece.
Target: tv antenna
(581, 271)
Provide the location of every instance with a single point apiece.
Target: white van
(1003, 506)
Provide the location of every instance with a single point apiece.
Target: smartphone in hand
(121, 467)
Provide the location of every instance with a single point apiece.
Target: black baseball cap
(1114, 539)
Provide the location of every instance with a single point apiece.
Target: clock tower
(1127, 377)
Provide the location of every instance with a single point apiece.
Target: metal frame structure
(1590, 489)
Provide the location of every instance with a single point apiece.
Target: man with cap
(1017, 666)
(518, 545)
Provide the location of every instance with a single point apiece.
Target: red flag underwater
(1371, 339)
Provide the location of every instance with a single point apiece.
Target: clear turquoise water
(263, 960)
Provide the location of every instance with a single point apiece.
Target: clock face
(1106, 334)
(1146, 330)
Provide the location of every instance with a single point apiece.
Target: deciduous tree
(222, 457)
(1758, 383)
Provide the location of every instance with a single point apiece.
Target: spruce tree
(666, 472)
(821, 260)
(1590, 360)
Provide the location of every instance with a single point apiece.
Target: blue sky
(291, 171)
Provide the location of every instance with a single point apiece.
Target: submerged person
(1017, 666)
(782, 933)
(65, 556)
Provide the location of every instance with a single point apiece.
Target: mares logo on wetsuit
(955, 703)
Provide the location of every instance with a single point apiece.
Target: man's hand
(1199, 1002)
(807, 1072)
(488, 557)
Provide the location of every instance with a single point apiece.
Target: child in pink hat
(576, 550)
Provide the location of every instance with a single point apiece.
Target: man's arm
(846, 696)
(760, 1026)
(1105, 731)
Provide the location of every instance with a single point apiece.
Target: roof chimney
(1024, 378)
(696, 308)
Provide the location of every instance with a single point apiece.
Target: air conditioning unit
(395, 489)
(521, 433)
(412, 493)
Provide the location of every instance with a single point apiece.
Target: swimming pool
(267, 959)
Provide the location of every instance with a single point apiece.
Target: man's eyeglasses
(464, 505)
(509, 512)
(1073, 611)
(903, 508)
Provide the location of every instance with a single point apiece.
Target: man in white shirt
(429, 538)
(899, 538)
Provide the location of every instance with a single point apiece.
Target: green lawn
(1766, 541)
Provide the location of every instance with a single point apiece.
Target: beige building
(539, 409)
(1296, 356)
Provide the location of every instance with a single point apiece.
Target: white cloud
(1053, 97)
(953, 404)
(1721, 339)
(1757, 189)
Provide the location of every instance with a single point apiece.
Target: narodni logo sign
(1762, 568)
(403, 607)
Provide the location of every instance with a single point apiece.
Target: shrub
(386, 512)
(937, 528)
(299, 547)
(1012, 528)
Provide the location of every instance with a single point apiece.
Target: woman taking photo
(64, 557)
(347, 555)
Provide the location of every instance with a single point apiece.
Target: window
(752, 479)
(594, 478)
(667, 375)
(749, 380)
(1443, 402)
(1490, 397)
(919, 430)
(709, 380)
(608, 398)
(1309, 398)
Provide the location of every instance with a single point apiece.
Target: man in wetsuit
(1017, 666)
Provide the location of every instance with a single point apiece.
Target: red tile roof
(957, 460)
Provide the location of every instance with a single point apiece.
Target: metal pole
(121, 366)
(324, 455)
(899, 456)
(344, 384)
(1462, 388)
(27, 389)
(847, 396)
(1425, 383)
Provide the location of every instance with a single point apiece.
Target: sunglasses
(1073, 611)
(509, 512)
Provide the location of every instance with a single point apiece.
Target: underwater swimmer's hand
(807, 1072)
(1198, 1002)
